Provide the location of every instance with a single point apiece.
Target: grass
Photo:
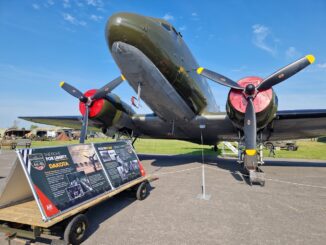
(150, 146)
(307, 149)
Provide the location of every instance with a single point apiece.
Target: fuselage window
(166, 26)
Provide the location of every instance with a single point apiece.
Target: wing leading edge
(298, 124)
(287, 125)
(74, 122)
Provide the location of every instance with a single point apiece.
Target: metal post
(203, 195)
(261, 154)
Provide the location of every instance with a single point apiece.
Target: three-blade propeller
(250, 92)
(101, 93)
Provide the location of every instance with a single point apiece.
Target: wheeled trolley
(24, 220)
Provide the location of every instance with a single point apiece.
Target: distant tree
(33, 126)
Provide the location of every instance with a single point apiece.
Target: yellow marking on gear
(200, 70)
(62, 83)
(310, 58)
(251, 152)
(181, 69)
(123, 77)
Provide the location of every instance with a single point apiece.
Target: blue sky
(44, 42)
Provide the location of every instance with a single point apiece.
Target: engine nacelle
(105, 113)
(265, 103)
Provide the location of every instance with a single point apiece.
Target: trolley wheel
(142, 191)
(76, 229)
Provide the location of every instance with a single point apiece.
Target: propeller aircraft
(156, 62)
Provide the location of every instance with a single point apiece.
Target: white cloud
(50, 2)
(321, 65)
(95, 3)
(291, 52)
(79, 4)
(182, 28)
(96, 17)
(66, 3)
(36, 6)
(168, 17)
(240, 69)
(263, 39)
(194, 16)
(72, 20)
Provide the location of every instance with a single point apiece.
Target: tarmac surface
(290, 209)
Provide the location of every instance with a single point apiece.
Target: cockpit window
(166, 26)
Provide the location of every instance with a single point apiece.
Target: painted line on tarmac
(275, 180)
(232, 172)
(177, 171)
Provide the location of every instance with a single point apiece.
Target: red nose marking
(96, 106)
(261, 101)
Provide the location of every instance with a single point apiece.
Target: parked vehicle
(283, 145)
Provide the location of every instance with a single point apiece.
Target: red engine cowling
(265, 104)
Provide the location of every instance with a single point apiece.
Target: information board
(120, 162)
(64, 177)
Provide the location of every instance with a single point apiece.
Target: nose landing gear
(251, 163)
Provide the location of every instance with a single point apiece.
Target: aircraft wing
(74, 122)
(287, 125)
(298, 124)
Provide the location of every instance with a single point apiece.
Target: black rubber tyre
(142, 191)
(76, 229)
(291, 148)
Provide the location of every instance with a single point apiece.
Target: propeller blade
(218, 78)
(100, 93)
(250, 128)
(83, 132)
(73, 91)
(286, 72)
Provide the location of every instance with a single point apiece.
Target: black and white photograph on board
(79, 178)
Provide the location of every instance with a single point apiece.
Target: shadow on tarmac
(108, 209)
(227, 164)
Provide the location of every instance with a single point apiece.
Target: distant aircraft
(158, 65)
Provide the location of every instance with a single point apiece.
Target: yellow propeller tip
(251, 152)
(200, 70)
(310, 58)
(62, 83)
(123, 77)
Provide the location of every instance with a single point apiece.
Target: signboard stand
(64, 178)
